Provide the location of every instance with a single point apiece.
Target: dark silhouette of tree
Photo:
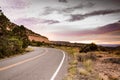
(89, 47)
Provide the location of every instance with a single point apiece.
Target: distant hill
(67, 43)
(109, 45)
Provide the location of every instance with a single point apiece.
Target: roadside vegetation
(29, 49)
(13, 40)
(92, 62)
(73, 62)
(37, 43)
(75, 57)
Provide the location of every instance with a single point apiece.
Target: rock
(113, 77)
(102, 76)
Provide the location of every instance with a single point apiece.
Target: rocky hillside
(32, 36)
(36, 37)
(14, 39)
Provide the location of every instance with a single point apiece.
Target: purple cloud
(63, 1)
(50, 10)
(76, 17)
(112, 29)
(27, 21)
(50, 21)
(79, 6)
(34, 21)
(17, 4)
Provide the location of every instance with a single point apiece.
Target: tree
(3, 23)
(20, 32)
(12, 41)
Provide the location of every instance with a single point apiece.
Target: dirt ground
(105, 67)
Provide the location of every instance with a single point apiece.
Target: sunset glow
(82, 21)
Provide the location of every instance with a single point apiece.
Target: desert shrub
(39, 43)
(10, 47)
(91, 56)
(36, 43)
(117, 52)
(89, 47)
(101, 48)
(112, 60)
(16, 44)
(72, 69)
(83, 71)
(20, 32)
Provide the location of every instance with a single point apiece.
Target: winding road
(40, 64)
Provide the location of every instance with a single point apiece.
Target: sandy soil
(105, 67)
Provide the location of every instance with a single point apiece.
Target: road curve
(40, 64)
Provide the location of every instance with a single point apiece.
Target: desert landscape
(59, 39)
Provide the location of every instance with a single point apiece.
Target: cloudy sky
(68, 20)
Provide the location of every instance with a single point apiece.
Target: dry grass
(83, 71)
(68, 78)
(29, 49)
(71, 51)
(72, 69)
(88, 64)
(74, 62)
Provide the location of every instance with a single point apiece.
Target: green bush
(13, 40)
(36, 43)
(20, 32)
(89, 47)
(10, 47)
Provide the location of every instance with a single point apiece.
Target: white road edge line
(60, 65)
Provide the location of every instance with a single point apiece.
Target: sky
(83, 21)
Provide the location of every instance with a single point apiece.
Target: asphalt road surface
(40, 64)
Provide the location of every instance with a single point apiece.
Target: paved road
(41, 64)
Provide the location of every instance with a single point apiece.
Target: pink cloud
(111, 28)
